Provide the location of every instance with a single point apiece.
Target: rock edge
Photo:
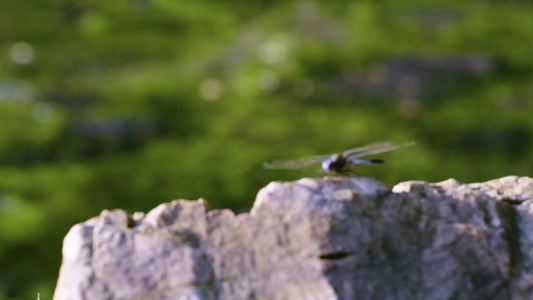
(315, 238)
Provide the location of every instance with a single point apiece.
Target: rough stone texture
(316, 238)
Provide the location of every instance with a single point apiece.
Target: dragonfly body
(338, 163)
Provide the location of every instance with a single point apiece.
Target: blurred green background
(128, 104)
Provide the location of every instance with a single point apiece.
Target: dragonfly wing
(377, 148)
(374, 146)
(295, 164)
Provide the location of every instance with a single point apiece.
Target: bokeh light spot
(210, 89)
(42, 112)
(272, 52)
(268, 81)
(21, 53)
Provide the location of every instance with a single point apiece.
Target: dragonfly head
(335, 164)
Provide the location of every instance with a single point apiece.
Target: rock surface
(319, 238)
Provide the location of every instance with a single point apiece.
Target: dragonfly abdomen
(366, 161)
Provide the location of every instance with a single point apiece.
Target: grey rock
(315, 238)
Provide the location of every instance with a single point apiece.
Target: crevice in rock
(511, 234)
(334, 255)
(131, 222)
(512, 201)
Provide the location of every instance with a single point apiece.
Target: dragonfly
(339, 163)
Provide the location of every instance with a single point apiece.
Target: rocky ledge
(315, 238)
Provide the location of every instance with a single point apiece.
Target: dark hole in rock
(334, 255)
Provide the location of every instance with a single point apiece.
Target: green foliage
(129, 104)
